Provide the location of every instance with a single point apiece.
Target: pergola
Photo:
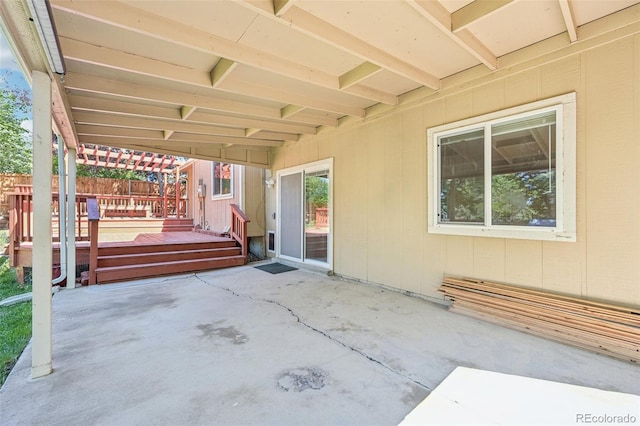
(137, 161)
(232, 80)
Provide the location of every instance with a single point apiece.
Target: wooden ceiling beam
(100, 85)
(222, 70)
(475, 11)
(315, 27)
(186, 114)
(280, 7)
(358, 74)
(187, 137)
(97, 130)
(439, 16)
(213, 140)
(86, 53)
(166, 147)
(154, 124)
(566, 6)
(141, 22)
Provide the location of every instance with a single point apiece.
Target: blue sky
(10, 71)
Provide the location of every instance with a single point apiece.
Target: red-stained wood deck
(152, 254)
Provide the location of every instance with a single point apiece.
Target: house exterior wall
(380, 175)
(248, 193)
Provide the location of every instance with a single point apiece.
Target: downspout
(62, 213)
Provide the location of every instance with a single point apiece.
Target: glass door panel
(291, 212)
(316, 221)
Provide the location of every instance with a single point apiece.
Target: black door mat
(275, 268)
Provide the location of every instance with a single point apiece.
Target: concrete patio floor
(241, 346)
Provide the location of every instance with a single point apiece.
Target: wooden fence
(84, 185)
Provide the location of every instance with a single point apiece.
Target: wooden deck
(128, 248)
(173, 237)
(151, 254)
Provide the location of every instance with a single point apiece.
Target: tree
(15, 144)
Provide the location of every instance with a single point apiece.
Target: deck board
(82, 247)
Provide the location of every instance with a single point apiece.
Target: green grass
(15, 320)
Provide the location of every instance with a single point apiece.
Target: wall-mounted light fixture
(43, 20)
(269, 179)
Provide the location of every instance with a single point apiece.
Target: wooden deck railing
(141, 206)
(21, 213)
(239, 228)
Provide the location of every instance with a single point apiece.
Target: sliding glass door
(304, 202)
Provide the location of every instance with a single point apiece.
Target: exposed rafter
(212, 140)
(475, 11)
(93, 84)
(154, 124)
(281, 6)
(136, 20)
(357, 74)
(327, 33)
(435, 13)
(569, 21)
(117, 60)
(221, 71)
(186, 113)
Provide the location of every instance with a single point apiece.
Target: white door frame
(326, 164)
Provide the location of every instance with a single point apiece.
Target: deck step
(107, 249)
(166, 256)
(145, 270)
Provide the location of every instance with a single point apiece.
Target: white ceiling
(174, 76)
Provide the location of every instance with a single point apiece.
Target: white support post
(71, 218)
(41, 361)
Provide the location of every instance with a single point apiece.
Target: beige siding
(380, 209)
(217, 211)
(254, 201)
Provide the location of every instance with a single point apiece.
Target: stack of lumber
(604, 328)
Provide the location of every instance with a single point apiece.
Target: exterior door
(304, 213)
(291, 215)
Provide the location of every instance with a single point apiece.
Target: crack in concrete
(321, 332)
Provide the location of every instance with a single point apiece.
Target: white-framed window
(222, 184)
(508, 174)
